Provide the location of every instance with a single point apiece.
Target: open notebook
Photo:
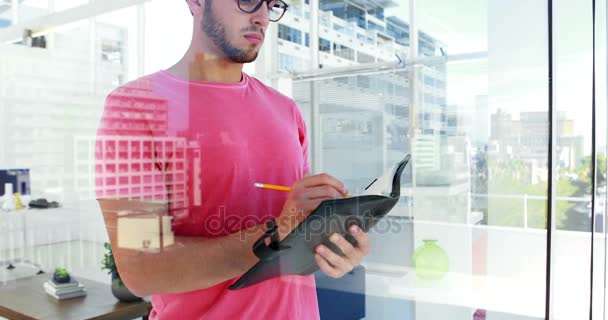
(294, 255)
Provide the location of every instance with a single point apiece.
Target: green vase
(431, 262)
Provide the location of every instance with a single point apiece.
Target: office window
(291, 63)
(364, 58)
(344, 51)
(290, 34)
(339, 28)
(338, 8)
(324, 45)
(374, 27)
(377, 12)
(355, 15)
(398, 29)
(112, 51)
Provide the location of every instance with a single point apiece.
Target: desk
(26, 299)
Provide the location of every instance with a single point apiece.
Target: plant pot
(120, 290)
(431, 262)
(61, 279)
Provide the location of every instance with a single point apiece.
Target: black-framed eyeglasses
(276, 8)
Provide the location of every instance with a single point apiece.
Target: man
(177, 154)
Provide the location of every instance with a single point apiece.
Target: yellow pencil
(271, 187)
(278, 188)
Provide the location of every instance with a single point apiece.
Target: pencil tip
(258, 185)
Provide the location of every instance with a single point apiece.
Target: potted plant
(61, 275)
(119, 290)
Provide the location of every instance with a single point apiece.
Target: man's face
(238, 35)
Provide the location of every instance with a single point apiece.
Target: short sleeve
(303, 136)
(126, 161)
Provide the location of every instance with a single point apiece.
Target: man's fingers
(325, 191)
(322, 179)
(351, 253)
(341, 263)
(363, 243)
(326, 267)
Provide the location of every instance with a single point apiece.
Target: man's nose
(262, 16)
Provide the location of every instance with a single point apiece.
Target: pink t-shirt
(203, 145)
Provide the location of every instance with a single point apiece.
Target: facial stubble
(216, 32)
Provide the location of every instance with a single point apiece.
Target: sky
(399, 11)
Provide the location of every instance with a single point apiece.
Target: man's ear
(195, 6)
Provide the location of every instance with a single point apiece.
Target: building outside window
(290, 34)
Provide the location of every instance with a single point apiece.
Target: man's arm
(190, 263)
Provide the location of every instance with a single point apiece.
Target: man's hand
(305, 196)
(337, 266)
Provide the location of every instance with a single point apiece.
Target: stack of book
(66, 290)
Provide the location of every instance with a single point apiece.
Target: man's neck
(207, 68)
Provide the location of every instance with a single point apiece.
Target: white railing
(525, 198)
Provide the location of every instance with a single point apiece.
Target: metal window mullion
(593, 164)
(551, 192)
(606, 166)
